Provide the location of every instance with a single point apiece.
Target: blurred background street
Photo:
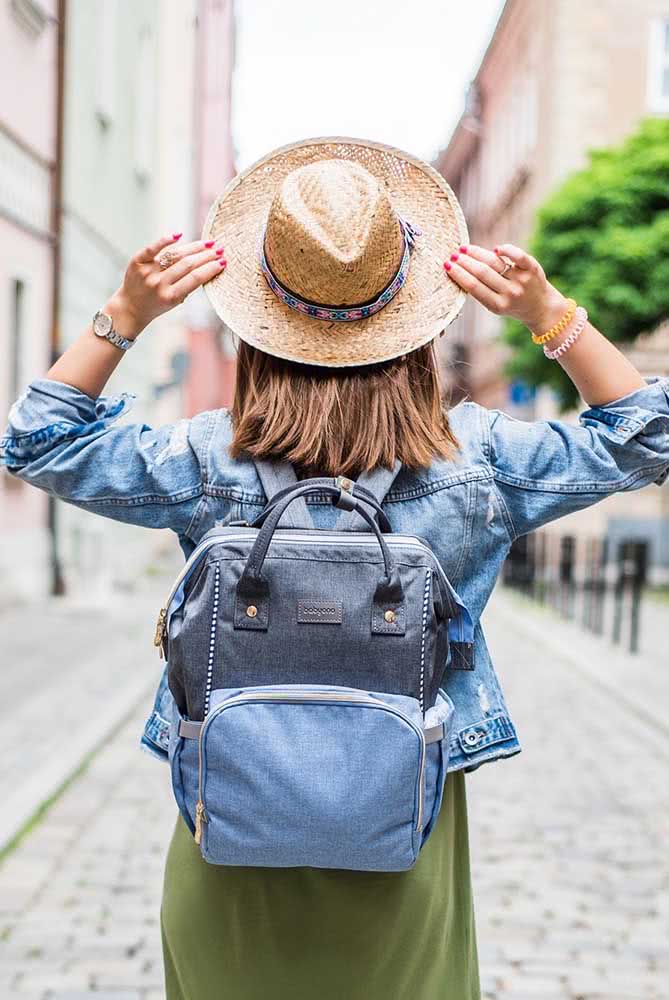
(124, 119)
(570, 870)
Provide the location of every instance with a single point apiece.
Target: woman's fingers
(196, 247)
(195, 278)
(518, 256)
(470, 283)
(485, 256)
(472, 260)
(152, 290)
(508, 281)
(188, 262)
(148, 253)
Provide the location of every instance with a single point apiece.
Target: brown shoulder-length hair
(341, 421)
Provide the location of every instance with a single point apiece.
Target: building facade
(28, 143)
(548, 89)
(119, 158)
(211, 373)
(144, 141)
(557, 79)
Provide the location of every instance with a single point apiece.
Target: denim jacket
(509, 477)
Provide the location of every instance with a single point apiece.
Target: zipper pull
(200, 818)
(160, 632)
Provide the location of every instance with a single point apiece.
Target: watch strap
(118, 340)
(113, 336)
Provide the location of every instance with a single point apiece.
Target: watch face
(102, 324)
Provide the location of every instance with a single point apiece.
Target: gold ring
(166, 259)
(508, 265)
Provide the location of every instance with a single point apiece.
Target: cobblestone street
(569, 838)
(568, 841)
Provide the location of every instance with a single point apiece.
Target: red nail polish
(463, 249)
(495, 250)
(177, 236)
(454, 257)
(448, 266)
(219, 252)
(223, 263)
(209, 244)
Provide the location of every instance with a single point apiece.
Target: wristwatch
(103, 326)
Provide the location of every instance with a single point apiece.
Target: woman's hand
(521, 291)
(600, 372)
(149, 290)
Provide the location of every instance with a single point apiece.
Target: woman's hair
(341, 421)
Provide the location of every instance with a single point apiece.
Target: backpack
(310, 726)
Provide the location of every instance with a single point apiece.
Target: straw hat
(335, 251)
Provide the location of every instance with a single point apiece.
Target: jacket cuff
(651, 400)
(642, 413)
(49, 412)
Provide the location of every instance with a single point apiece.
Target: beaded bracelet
(580, 318)
(542, 338)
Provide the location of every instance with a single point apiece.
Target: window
(17, 329)
(145, 103)
(658, 65)
(105, 63)
(31, 15)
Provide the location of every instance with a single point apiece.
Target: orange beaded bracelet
(542, 338)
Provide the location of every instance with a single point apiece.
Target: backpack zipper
(318, 696)
(161, 625)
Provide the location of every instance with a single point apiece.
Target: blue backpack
(310, 725)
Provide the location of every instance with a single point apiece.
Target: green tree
(603, 239)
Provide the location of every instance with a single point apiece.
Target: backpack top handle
(277, 476)
(253, 589)
(353, 489)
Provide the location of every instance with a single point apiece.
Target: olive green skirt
(298, 933)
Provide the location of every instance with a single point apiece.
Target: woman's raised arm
(59, 435)
(146, 292)
(545, 469)
(600, 372)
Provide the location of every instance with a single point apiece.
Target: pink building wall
(27, 75)
(210, 379)
(28, 88)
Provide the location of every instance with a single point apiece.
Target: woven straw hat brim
(427, 303)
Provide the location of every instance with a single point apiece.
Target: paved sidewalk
(72, 673)
(568, 841)
(79, 896)
(640, 679)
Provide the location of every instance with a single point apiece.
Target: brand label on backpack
(325, 612)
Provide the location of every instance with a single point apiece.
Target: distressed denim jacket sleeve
(61, 440)
(545, 469)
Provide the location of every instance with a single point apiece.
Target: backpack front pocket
(323, 777)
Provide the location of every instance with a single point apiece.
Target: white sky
(391, 70)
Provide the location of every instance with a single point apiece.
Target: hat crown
(332, 235)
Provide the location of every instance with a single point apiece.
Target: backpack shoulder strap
(378, 481)
(275, 475)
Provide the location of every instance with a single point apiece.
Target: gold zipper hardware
(200, 817)
(160, 631)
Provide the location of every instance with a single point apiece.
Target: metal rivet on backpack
(346, 484)
(252, 611)
(390, 616)
(473, 738)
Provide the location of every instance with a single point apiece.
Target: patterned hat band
(348, 314)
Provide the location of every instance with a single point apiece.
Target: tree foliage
(603, 239)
